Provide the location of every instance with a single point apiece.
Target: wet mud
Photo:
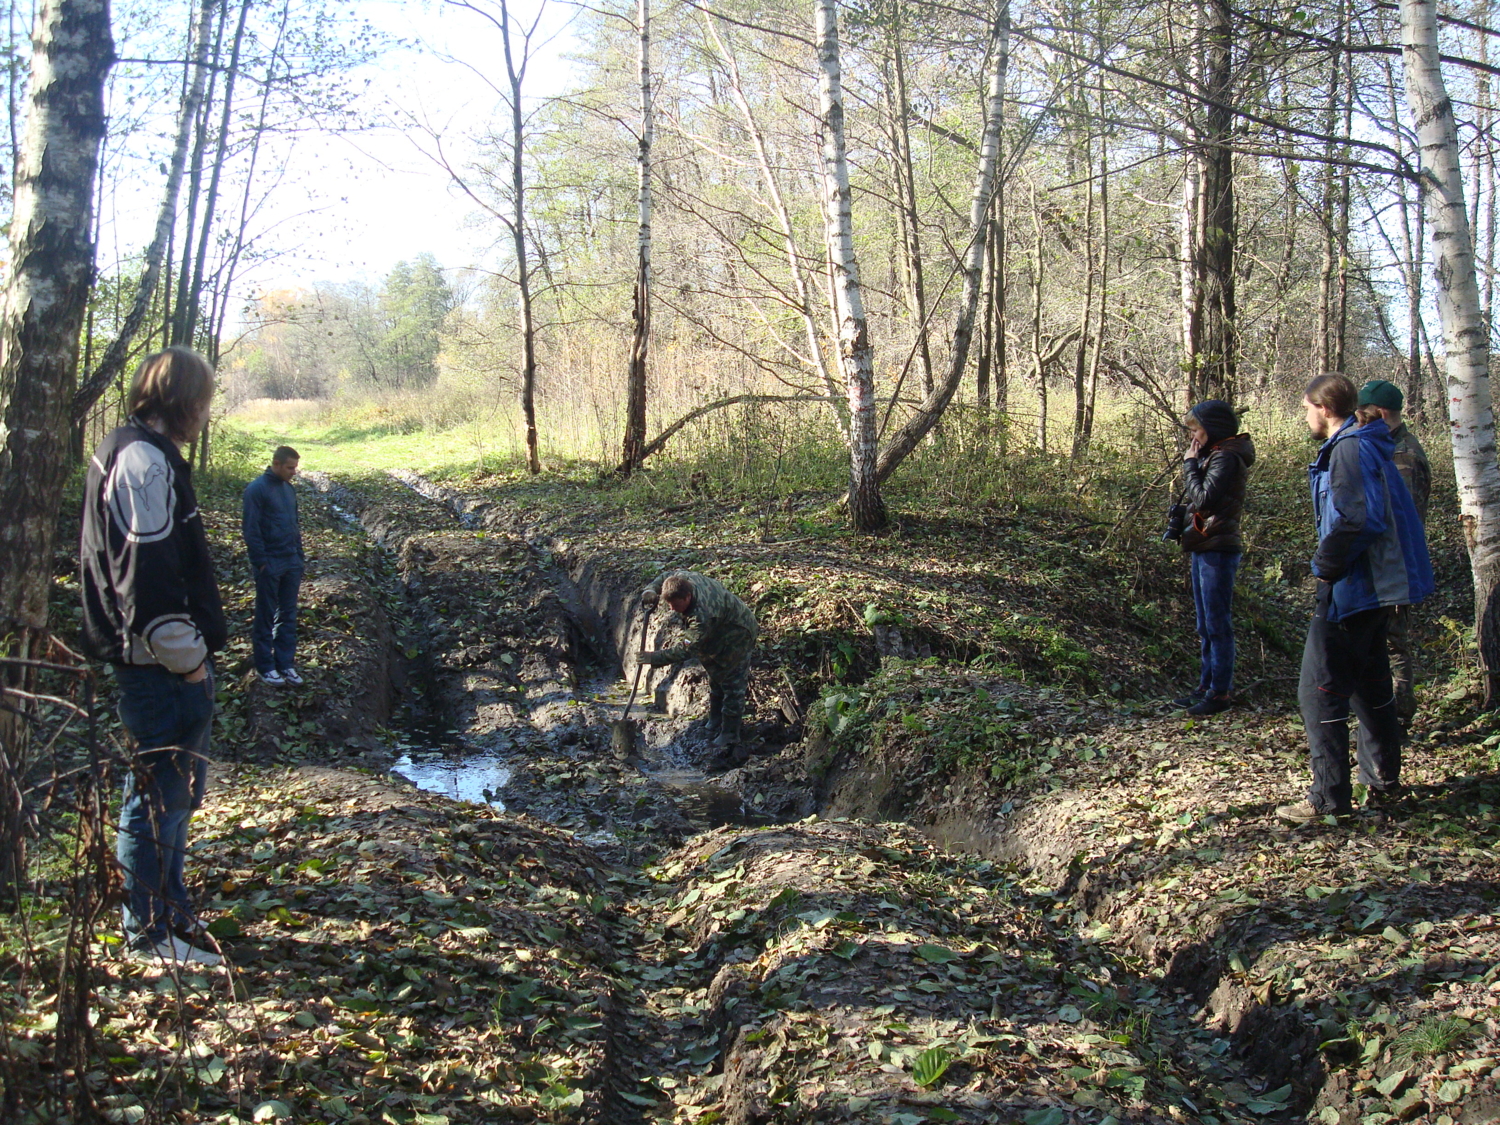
(514, 651)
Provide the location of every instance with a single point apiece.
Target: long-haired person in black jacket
(151, 610)
(1215, 470)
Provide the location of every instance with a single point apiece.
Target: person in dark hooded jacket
(1215, 468)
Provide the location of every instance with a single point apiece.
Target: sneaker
(1190, 698)
(195, 930)
(275, 679)
(1303, 813)
(290, 676)
(1210, 705)
(171, 949)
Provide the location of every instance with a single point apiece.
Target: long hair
(171, 387)
(1335, 393)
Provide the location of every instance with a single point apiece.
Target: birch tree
(52, 264)
(1471, 415)
(856, 353)
(932, 407)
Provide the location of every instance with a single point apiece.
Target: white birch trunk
(927, 415)
(1471, 416)
(866, 508)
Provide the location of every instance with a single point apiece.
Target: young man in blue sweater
(273, 537)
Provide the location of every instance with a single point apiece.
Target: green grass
(342, 446)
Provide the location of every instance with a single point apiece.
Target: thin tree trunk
(113, 361)
(1098, 351)
(1218, 342)
(1339, 347)
(635, 383)
(986, 356)
(906, 187)
(229, 266)
(518, 235)
(51, 270)
(1002, 354)
(931, 410)
(1187, 240)
(182, 325)
(1484, 157)
(1322, 357)
(1465, 335)
(1080, 358)
(814, 332)
(1038, 360)
(866, 507)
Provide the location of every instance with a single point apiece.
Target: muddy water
(527, 726)
(476, 777)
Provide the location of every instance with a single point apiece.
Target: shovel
(622, 731)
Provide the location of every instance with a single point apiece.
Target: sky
(351, 206)
(387, 199)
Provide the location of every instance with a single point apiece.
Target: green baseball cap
(1377, 392)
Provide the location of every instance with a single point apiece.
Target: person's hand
(654, 659)
(1193, 450)
(197, 675)
(649, 599)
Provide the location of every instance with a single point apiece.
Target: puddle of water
(478, 778)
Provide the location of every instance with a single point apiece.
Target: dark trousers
(171, 721)
(1345, 667)
(273, 637)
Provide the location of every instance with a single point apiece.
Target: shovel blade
(622, 735)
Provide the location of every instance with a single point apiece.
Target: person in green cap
(718, 629)
(1380, 399)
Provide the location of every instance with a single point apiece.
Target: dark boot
(729, 735)
(715, 722)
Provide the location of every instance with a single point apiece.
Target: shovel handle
(639, 667)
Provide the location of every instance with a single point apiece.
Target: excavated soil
(939, 887)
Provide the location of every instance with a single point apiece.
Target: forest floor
(972, 868)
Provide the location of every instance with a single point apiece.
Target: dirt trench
(517, 654)
(516, 639)
(513, 654)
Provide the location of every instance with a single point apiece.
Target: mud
(514, 641)
(513, 653)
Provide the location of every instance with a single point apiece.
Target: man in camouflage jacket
(720, 631)
(1411, 461)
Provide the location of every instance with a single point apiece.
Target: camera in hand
(1176, 522)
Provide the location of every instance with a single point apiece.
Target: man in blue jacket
(274, 539)
(1371, 556)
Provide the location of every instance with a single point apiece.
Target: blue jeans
(1213, 596)
(171, 721)
(273, 637)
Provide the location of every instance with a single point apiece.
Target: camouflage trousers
(728, 676)
(1404, 670)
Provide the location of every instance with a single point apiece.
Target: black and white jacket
(149, 592)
